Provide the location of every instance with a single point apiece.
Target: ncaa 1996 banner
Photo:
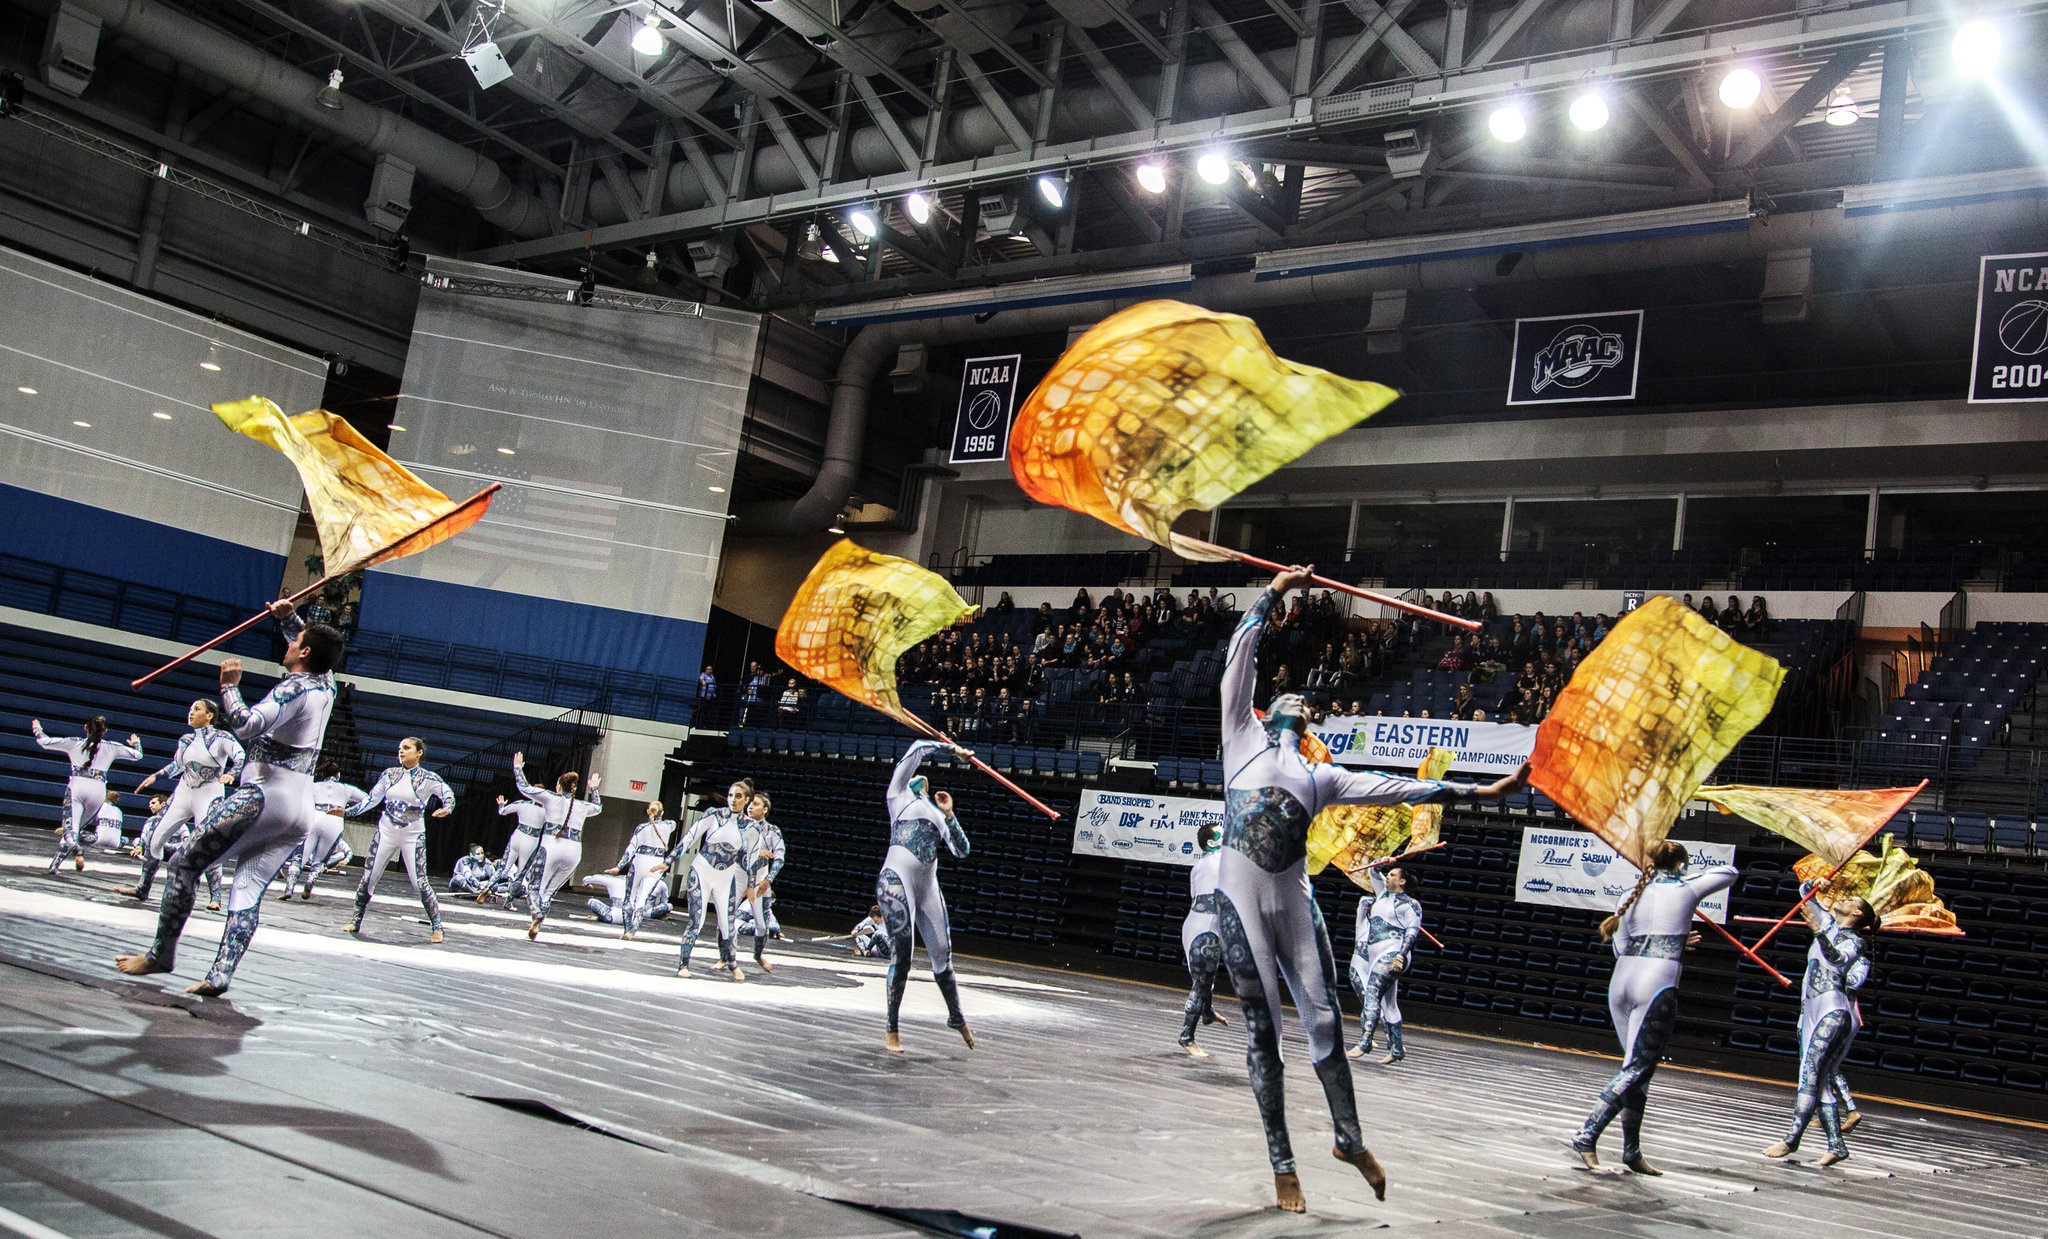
(1576, 358)
(1135, 826)
(1576, 869)
(1399, 745)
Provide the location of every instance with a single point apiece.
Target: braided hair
(95, 731)
(1664, 856)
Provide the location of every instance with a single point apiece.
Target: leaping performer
(1837, 965)
(1200, 942)
(920, 820)
(561, 844)
(718, 839)
(1385, 938)
(260, 822)
(1267, 915)
(205, 764)
(86, 790)
(404, 790)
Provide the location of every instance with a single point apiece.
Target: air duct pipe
(242, 67)
(874, 346)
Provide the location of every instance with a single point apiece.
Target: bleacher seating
(1967, 693)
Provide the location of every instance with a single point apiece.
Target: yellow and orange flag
(1831, 824)
(1899, 891)
(1646, 718)
(1353, 836)
(855, 615)
(1167, 408)
(367, 507)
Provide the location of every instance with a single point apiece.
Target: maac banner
(2010, 361)
(988, 395)
(1133, 826)
(1575, 358)
(1576, 869)
(1398, 745)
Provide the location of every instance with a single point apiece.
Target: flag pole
(935, 734)
(1823, 883)
(1385, 600)
(1736, 942)
(481, 496)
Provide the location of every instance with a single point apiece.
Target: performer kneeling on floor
(920, 821)
(86, 790)
(871, 936)
(474, 873)
(1200, 942)
(1381, 948)
(1837, 965)
(1266, 914)
(258, 823)
(404, 790)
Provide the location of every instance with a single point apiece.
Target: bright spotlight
(1152, 177)
(1589, 111)
(1213, 167)
(1977, 48)
(1741, 88)
(647, 39)
(1053, 190)
(1842, 108)
(863, 221)
(919, 208)
(1507, 124)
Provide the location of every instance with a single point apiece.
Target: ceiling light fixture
(83, 425)
(210, 365)
(1151, 177)
(506, 451)
(1842, 108)
(1213, 167)
(1054, 190)
(1740, 88)
(1589, 111)
(918, 208)
(647, 39)
(835, 527)
(26, 391)
(329, 96)
(863, 220)
(1977, 48)
(717, 490)
(1507, 123)
(394, 426)
(161, 416)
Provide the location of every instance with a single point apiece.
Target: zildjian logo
(1575, 356)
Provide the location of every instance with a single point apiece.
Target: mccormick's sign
(1575, 358)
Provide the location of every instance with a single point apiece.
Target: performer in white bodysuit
(528, 820)
(765, 853)
(1837, 965)
(1199, 941)
(335, 801)
(718, 839)
(921, 821)
(404, 790)
(642, 866)
(561, 837)
(1381, 947)
(86, 791)
(205, 763)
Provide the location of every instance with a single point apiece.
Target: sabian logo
(1575, 356)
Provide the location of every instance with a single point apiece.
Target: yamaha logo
(1575, 357)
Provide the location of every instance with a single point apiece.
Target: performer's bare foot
(1391, 1059)
(1780, 1149)
(737, 975)
(212, 905)
(137, 965)
(353, 927)
(1287, 1190)
(1829, 1159)
(1849, 1124)
(1590, 1160)
(206, 991)
(892, 1043)
(483, 898)
(532, 930)
(684, 972)
(764, 965)
(622, 937)
(1214, 1018)
(132, 893)
(1367, 1166)
(434, 937)
(1354, 1052)
(78, 862)
(967, 1035)
(1640, 1166)
(1195, 1051)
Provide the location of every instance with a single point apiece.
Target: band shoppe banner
(1398, 745)
(1132, 826)
(2010, 361)
(988, 396)
(1576, 869)
(1576, 358)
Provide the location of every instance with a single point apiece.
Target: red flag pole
(1432, 937)
(1822, 884)
(1384, 600)
(264, 614)
(1736, 942)
(987, 769)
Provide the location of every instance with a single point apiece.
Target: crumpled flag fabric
(1353, 836)
(1832, 824)
(855, 615)
(368, 508)
(1166, 408)
(1646, 718)
(1899, 891)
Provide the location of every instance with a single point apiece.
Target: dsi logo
(1127, 821)
(1575, 357)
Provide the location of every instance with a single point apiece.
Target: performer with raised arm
(404, 790)
(641, 867)
(204, 763)
(561, 837)
(1381, 946)
(1266, 914)
(333, 800)
(86, 791)
(1199, 940)
(262, 820)
(920, 821)
(1650, 932)
(718, 841)
(528, 819)
(765, 855)
(1837, 965)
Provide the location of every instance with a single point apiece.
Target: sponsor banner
(988, 395)
(1573, 358)
(1133, 826)
(1576, 869)
(1398, 745)
(2010, 360)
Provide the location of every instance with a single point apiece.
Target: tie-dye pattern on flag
(1831, 824)
(1353, 836)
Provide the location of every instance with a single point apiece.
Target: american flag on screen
(549, 519)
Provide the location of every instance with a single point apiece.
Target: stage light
(1977, 48)
(83, 425)
(1740, 88)
(919, 208)
(506, 451)
(1842, 108)
(210, 365)
(863, 220)
(1589, 111)
(647, 39)
(329, 96)
(26, 391)
(161, 416)
(394, 426)
(835, 527)
(1151, 177)
(1507, 123)
(1054, 190)
(717, 490)
(1213, 167)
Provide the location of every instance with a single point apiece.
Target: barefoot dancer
(260, 822)
(561, 845)
(530, 818)
(1837, 965)
(1200, 942)
(333, 801)
(1267, 916)
(205, 763)
(405, 790)
(1387, 925)
(717, 838)
(908, 888)
(765, 854)
(86, 790)
(1650, 931)
(643, 866)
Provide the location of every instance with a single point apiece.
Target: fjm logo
(1575, 357)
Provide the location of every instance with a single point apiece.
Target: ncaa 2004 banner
(1399, 745)
(1576, 869)
(1136, 826)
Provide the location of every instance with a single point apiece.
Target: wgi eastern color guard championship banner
(1398, 745)
(1135, 826)
(1576, 869)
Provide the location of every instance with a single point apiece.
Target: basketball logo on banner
(1576, 358)
(988, 396)
(2010, 360)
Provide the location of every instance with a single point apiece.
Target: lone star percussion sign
(2010, 362)
(988, 395)
(1576, 358)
